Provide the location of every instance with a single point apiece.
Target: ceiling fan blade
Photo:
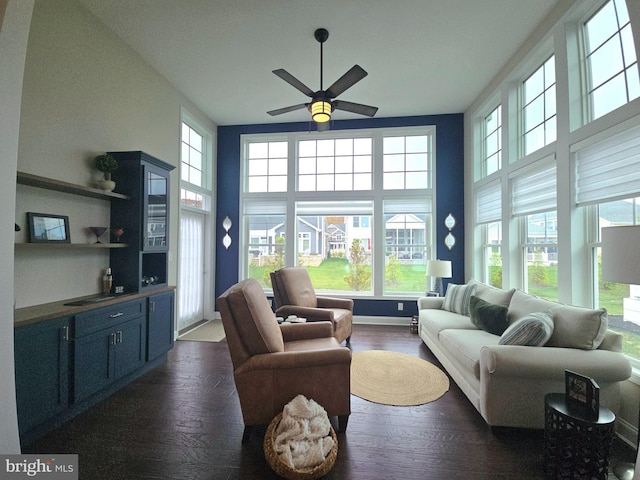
(293, 81)
(280, 111)
(350, 78)
(359, 108)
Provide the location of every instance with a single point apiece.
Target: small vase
(107, 185)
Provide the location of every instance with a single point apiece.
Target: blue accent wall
(449, 181)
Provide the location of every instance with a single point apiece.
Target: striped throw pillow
(532, 330)
(458, 297)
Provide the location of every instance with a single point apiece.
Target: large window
(357, 232)
(539, 107)
(610, 57)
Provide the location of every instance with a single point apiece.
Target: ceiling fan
(322, 102)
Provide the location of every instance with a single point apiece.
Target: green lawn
(329, 275)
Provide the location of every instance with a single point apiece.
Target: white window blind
(408, 205)
(609, 170)
(334, 208)
(489, 203)
(265, 207)
(534, 191)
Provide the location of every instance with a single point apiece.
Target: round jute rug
(393, 378)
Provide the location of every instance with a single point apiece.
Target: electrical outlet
(400, 306)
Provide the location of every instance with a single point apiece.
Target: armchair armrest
(296, 360)
(312, 314)
(306, 331)
(334, 302)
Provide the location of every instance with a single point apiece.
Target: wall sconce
(449, 239)
(226, 224)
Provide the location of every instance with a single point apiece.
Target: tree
(392, 270)
(275, 261)
(359, 277)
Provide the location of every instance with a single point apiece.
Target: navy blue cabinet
(42, 371)
(160, 324)
(110, 343)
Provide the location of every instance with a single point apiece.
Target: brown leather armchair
(294, 294)
(272, 364)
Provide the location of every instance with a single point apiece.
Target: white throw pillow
(458, 297)
(534, 330)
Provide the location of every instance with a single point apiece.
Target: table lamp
(621, 264)
(439, 269)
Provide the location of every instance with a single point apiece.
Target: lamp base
(437, 286)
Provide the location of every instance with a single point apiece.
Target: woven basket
(284, 470)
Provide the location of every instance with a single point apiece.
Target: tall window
(534, 197)
(539, 107)
(492, 142)
(489, 218)
(610, 57)
(195, 223)
(355, 231)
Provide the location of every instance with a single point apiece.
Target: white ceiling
(422, 56)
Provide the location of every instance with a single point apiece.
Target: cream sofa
(507, 383)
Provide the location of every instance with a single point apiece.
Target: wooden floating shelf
(70, 245)
(60, 186)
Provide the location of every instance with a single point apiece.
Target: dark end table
(576, 447)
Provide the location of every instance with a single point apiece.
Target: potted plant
(106, 163)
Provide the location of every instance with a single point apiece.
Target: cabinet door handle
(119, 336)
(65, 333)
(113, 338)
(152, 306)
(116, 315)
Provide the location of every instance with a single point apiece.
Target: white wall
(85, 92)
(14, 31)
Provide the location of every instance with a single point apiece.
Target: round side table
(575, 447)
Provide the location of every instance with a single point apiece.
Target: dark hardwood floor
(183, 421)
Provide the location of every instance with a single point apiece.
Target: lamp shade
(439, 268)
(621, 254)
(321, 111)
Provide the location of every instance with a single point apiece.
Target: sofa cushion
(577, 327)
(488, 316)
(465, 346)
(574, 327)
(457, 298)
(434, 321)
(492, 294)
(533, 330)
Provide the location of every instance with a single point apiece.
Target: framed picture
(583, 395)
(47, 228)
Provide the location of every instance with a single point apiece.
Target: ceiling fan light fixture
(321, 111)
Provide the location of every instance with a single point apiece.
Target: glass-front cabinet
(155, 201)
(147, 180)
